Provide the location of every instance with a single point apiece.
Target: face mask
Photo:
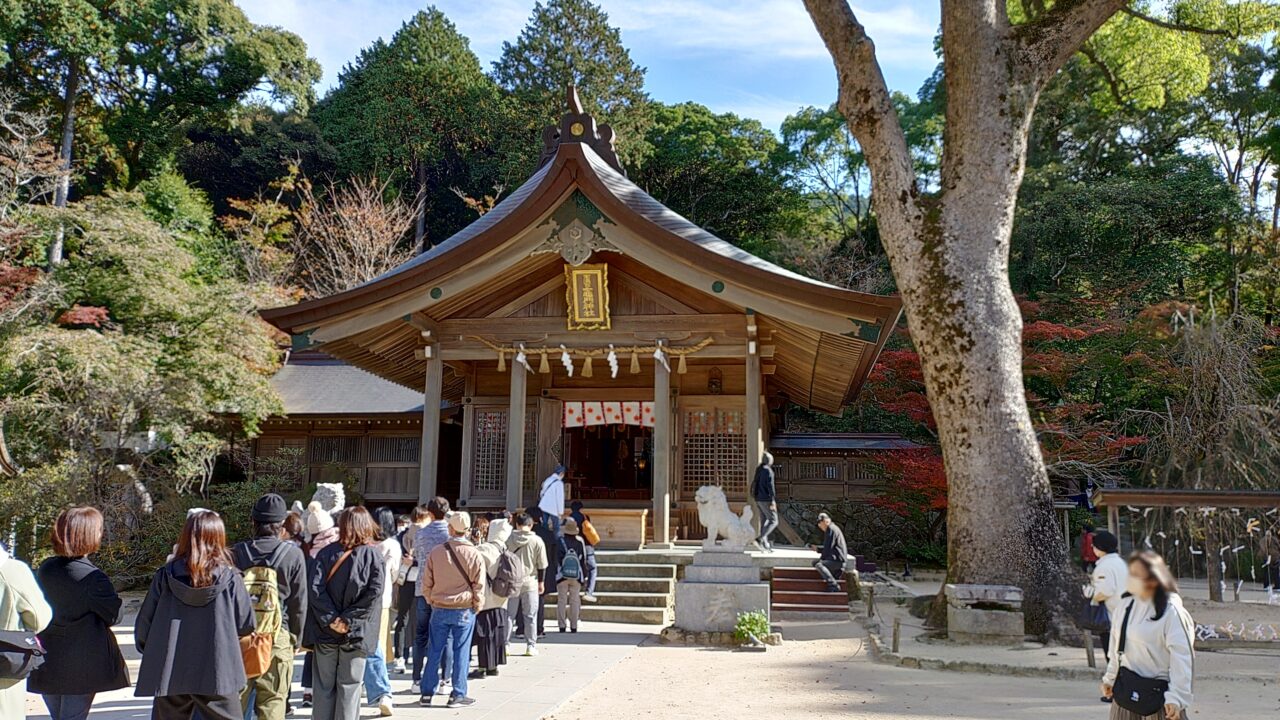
(1135, 586)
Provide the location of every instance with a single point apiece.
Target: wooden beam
(504, 329)
(661, 456)
(431, 396)
(1161, 497)
(463, 350)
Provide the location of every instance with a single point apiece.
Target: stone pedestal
(985, 614)
(717, 586)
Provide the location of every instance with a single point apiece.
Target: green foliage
(751, 623)
(421, 107)
(721, 172)
(571, 42)
(923, 553)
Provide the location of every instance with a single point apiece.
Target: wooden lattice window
(714, 451)
(401, 449)
(864, 471)
(489, 464)
(335, 449)
(820, 470)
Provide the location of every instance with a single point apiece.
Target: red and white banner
(583, 414)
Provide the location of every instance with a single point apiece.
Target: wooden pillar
(661, 454)
(431, 395)
(1113, 520)
(754, 426)
(468, 439)
(515, 436)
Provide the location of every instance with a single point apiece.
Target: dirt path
(833, 678)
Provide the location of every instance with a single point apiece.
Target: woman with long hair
(346, 597)
(82, 658)
(190, 625)
(1152, 660)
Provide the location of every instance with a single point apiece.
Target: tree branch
(868, 107)
(1174, 25)
(1049, 41)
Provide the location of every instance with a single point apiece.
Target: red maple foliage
(14, 280)
(84, 316)
(915, 483)
(1044, 331)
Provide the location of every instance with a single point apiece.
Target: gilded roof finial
(571, 100)
(578, 126)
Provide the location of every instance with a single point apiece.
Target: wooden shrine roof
(826, 337)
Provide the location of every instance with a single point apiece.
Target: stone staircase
(639, 593)
(800, 590)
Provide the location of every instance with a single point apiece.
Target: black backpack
(20, 654)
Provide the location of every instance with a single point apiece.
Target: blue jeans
(377, 683)
(450, 629)
(421, 641)
(68, 707)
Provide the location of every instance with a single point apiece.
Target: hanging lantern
(586, 367)
(502, 361)
(635, 363)
(680, 367)
(543, 366)
(613, 363)
(566, 361)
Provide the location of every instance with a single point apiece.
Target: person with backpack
(23, 613)
(345, 598)
(532, 553)
(275, 575)
(377, 683)
(573, 563)
(505, 573)
(591, 537)
(190, 625)
(81, 654)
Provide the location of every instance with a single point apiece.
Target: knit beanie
(317, 520)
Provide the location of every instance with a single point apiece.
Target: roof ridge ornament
(578, 126)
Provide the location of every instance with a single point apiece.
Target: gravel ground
(834, 678)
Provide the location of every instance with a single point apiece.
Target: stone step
(617, 614)
(803, 608)
(634, 584)
(635, 570)
(810, 598)
(622, 599)
(811, 584)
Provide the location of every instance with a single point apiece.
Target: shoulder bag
(477, 598)
(1139, 695)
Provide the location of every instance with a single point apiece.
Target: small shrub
(751, 623)
(925, 553)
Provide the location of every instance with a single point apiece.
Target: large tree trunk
(62, 190)
(950, 256)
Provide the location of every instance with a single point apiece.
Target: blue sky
(756, 58)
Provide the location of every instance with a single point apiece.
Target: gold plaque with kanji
(587, 292)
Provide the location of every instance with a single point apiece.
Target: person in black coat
(190, 625)
(764, 492)
(346, 615)
(832, 555)
(81, 654)
(543, 528)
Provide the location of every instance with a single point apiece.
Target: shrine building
(582, 322)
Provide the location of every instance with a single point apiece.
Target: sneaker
(562, 629)
(425, 701)
(460, 701)
(530, 650)
(573, 630)
(590, 598)
(491, 672)
(477, 674)
(446, 682)
(384, 706)
(398, 667)
(306, 699)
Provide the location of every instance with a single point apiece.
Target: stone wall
(873, 532)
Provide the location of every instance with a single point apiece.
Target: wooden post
(897, 632)
(430, 454)
(515, 436)
(1089, 655)
(661, 454)
(754, 428)
(1113, 520)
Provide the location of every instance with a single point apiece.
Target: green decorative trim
(717, 287)
(436, 293)
(300, 341)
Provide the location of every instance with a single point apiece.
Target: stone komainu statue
(719, 520)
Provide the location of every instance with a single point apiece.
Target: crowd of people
(362, 594)
(365, 595)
